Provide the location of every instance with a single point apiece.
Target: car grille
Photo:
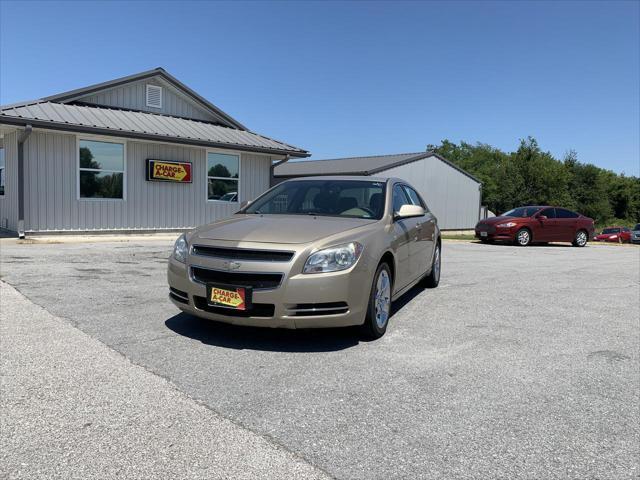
(484, 227)
(243, 254)
(257, 281)
(256, 310)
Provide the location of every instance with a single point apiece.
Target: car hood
(277, 228)
(496, 220)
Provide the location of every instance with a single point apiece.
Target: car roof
(343, 177)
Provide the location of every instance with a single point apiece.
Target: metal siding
(133, 96)
(450, 195)
(51, 189)
(9, 202)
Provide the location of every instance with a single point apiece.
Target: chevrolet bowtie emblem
(230, 265)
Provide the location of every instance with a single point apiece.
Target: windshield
(610, 230)
(521, 212)
(637, 227)
(333, 198)
(228, 196)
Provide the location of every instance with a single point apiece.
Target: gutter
(23, 138)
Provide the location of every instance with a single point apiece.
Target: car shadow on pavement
(264, 339)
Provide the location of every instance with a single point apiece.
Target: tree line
(530, 176)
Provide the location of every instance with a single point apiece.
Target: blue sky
(358, 78)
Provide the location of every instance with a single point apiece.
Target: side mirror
(408, 211)
(542, 217)
(245, 203)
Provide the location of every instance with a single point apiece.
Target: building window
(2, 170)
(101, 172)
(223, 173)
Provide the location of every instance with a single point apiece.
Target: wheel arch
(389, 258)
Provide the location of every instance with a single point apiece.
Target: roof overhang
(48, 125)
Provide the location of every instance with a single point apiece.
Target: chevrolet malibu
(537, 224)
(321, 252)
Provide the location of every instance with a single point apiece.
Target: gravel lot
(524, 363)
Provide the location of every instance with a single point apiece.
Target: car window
(334, 198)
(608, 231)
(549, 212)
(521, 212)
(637, 227)
(625, 229)
(414, 197)
(564, 213)
(399, 198)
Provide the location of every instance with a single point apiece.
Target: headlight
(333, 259)
(507, 225)
(180, 249)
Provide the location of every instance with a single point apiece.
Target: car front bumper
(324, 300)
(496, 234)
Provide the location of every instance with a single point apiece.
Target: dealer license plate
(483, 234)
(237, 298)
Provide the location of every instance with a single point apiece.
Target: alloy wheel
(524, 237)
(581, 239)
(436, 264)
(382, 299)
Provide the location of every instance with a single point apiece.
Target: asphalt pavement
(524, 363)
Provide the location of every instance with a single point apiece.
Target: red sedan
(542, 224)
(614, 234)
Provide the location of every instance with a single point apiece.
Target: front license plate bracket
(233, 297)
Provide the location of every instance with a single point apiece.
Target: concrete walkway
(70, 407)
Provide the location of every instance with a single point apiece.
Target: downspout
(273, 167)
(23, 138)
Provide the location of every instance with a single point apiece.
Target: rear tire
(433, 279)
(379, 308)
(523, 237)
(581, 239)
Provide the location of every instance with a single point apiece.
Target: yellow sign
(230, 298)
(164, 171)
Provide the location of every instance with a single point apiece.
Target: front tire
(523, 237)
(433, 279)
(379, 308)
(580, 239)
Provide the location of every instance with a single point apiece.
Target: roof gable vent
(154, 96)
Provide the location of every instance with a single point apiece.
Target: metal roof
(356, 165)
(72, 95)
(143, 125)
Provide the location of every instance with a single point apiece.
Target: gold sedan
(315, 252)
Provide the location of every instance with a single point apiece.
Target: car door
(546, 230)
(567, 224)
(404, 234)
(421, 251)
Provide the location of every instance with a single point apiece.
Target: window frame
(406, 196)
(207, 177)
(423, 204)
(103, 139)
